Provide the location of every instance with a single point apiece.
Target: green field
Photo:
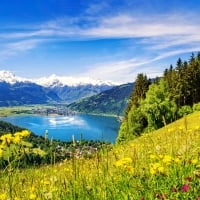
(17, 110)
(164, 164)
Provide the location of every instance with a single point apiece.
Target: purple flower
(185, 188)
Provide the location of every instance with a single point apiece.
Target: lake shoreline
(92, 127)
(29, 110)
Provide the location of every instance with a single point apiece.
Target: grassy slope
(107, 102)
(164, 164)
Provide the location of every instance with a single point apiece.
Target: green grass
(164, 164)
(16, 110)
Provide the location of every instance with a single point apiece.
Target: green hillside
(113, 101)
(152, 105)
(164, 164)
(38, 150)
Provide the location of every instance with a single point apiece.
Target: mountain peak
(10, 77)
(54, 80)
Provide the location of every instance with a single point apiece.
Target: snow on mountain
(9, 77)
(53, 80)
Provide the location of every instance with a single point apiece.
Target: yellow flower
(167, 159)
(17, 139)
(6, 139)
(123, 162)
(177, 160)
(194, 161)
(156, 165)
(1, 152)
(25, 133)
(130, 169)
(32, 196)
(3, 196)
(161, 169)
(152, 171)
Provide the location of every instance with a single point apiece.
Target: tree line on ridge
(155, 103)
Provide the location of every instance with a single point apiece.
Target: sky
(111, 40)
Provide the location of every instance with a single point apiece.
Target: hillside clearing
(164, 164)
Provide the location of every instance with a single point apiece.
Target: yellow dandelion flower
(194, 161)
(167, 159)
(1, 152)
(17, 139)
(17, 198)
(130, 169)
(180, 128)
(152, 171)
(161, 169)
(32, 196)
(3, 196)
(123, 162)
(156, 165)
(6, 139)
(177, 160)
(25, 133)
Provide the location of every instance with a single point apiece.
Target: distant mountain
(19, 91)
(61, 81)
(111, 101)
(22, 93)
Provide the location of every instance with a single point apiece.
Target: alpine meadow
(157, 154)
(100, 100)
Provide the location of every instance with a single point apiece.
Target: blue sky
(103, 39)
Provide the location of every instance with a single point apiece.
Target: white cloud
(13, 48)
(159, 35)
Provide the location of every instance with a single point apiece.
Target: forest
(157, 102)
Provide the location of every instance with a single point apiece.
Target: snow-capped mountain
(16, 90)
(53, 80)
(9, 77)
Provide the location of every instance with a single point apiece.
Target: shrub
(196, 107)
(184, 110)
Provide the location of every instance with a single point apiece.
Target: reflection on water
(67, 121)
(90, 127)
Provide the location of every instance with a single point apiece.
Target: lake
(91, 127)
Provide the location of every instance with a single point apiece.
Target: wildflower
(3, 196)
(123, 162)
(177, 160)
(194, 161)
(161, 169)
(130, 169)
(6, 139)
(32, 196)
(25, 133)
(1, 152)
(167, 159)
(152, 171)
(17, 139)
(181, 128)
(174, 189)
(185, 187)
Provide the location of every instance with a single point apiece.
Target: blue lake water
(91, 127)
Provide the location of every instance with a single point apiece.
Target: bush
(196, 107)
(184, 110)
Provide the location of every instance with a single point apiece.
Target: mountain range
(16, 90)
(112, 101)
